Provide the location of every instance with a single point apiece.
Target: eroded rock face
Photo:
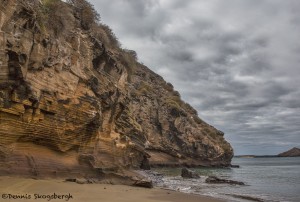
(68, 107)
(174, 134)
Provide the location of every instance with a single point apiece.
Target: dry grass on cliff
(106, 36)
(56, 18)
(144, 89)
(174, 102)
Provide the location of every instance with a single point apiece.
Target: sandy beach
(31, 190)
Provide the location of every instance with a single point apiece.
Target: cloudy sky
(237, 62)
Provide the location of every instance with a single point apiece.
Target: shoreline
(41, 190)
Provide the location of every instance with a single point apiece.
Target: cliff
(290, 153)
(73, 103)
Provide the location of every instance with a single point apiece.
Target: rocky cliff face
(72, 105)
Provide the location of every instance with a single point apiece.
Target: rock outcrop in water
(216, 180)
(290, 153)
(186, 173)
(73, 103)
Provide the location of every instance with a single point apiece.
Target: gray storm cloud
(237, 62)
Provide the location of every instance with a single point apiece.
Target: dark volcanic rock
(78, 181)
(294, 152)
(143, 183)
(186, 173)
(70, 180)
(145, 165)
(216, 180)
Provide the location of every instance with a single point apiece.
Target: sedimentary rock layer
(72, 105)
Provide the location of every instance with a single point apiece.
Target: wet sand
(12, 187)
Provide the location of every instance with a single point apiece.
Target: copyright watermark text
(47, 197)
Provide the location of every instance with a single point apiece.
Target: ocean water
(266, 179)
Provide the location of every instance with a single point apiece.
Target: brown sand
(88, 192)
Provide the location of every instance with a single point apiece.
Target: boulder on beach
(143, 183)
(186, 173)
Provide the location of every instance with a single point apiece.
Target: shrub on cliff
(144, 89)
(106, 36)
(85, 13)
(129, 60)
(54, 17)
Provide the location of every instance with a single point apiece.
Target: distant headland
(290, 153)
(255, 156)
(294, 152)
